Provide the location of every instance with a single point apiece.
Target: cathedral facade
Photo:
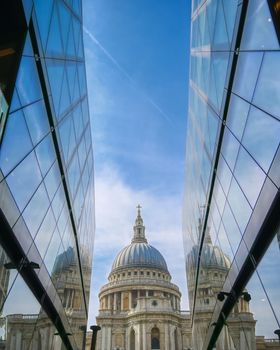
(140, 306)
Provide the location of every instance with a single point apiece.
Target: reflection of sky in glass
(231, 228)
(36, 210)
(237, 115)
(36, 119)
(24, 180)
(219, 196)
(249, 176)
(224, 175)
(13, 149)
(267, 95)
(45, 154)
(52, 180)
(269, 274)
(261, 136)
(248, 65)
(260, 307)
(239, 205)
(27, 83)
(259, 21)
(45, 232)
(230, 148)
(14, 303)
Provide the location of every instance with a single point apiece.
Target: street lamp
(94, 329)
(84, 330)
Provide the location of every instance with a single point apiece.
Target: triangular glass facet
(71, 73)
(54, 44)
(43, 10)
(65, 97)
(64, 17)
(220, 41)
(55, 73)
(70, 49)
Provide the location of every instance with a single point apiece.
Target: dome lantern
(139, 228)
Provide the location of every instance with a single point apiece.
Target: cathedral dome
(211, 256)
(139, 253)
(68, 259)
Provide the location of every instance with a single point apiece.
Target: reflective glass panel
(24, 180)
(267, 95)
(237, 115)
(45, 154)
(248, 65)
(259, 21)
(28, 85)
(36, 210)
(37, 121)
(249, 176)
(13, 149)
(261, 137)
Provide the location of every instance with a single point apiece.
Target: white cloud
(115, 214)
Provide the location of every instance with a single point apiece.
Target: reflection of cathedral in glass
(214, 267)
(232, 172)
(35, 331)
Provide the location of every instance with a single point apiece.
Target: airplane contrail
(124, 72)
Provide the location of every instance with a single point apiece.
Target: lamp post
(84, 330)
(277, 332)
(94, 329)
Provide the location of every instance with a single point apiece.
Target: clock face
(154, 303)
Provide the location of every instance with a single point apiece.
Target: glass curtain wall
(46, 179)
(231, 207)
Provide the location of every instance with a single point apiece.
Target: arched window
(155, 344)
(132, 339)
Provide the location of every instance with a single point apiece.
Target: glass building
(232, 203)
(46, 176)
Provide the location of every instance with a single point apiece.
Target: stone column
(129, 301)
(171, 335)
(109, 338)
(144, 336)
(18, 340)
(115, 301)
(166, 331)
(67, 298)
(109, 301)
(121, 301)
(103, 338)
(127, 342)
(57, 343)
(138, 337)
(72, 297)
(180, 339)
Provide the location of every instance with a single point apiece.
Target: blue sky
(137, 69)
